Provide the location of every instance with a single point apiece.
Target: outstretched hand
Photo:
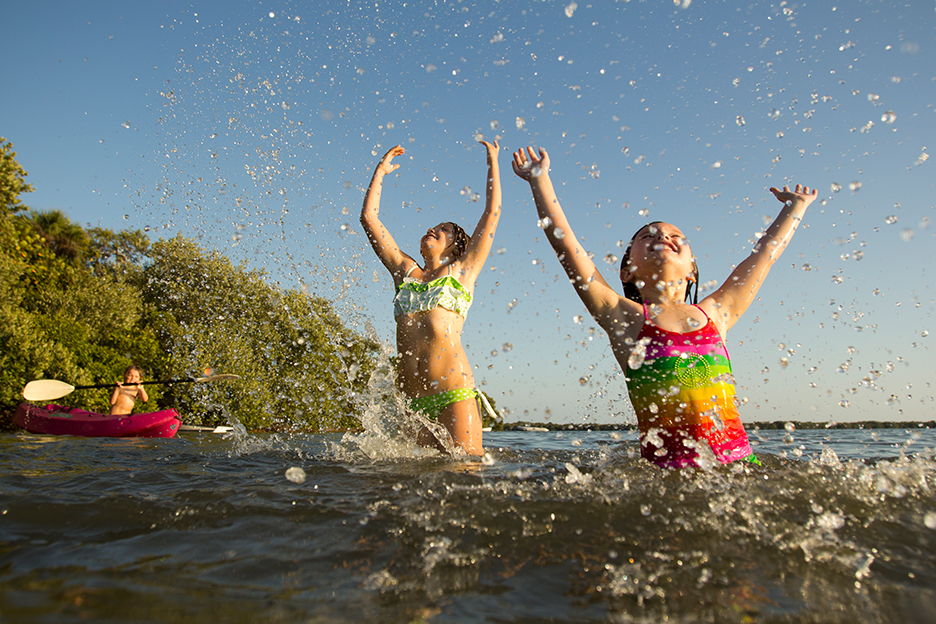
(493, 149)
(802, 194)
(527, 165)
(385, 165)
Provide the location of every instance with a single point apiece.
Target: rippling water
(837, 526)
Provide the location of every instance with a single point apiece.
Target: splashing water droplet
(739, 120)
(508, 346)
(559, 233)
(520, 122)
(643, 212)
(126, 125)
(889, 117)
(929, 519)
(855, 186)
(583, 380)
(577, 319)
(836, 187)
(906, 235)
(501, 250)
(543, 223)
(295, 474)
(891, 220)
(610, 259)
(570, 9)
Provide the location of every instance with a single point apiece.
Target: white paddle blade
(46, 390)
(217, 378)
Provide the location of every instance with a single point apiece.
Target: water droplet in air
(924, 333)
(126, 216)
(891, 220)
(889, 117)
(610, 258)
(577, 319)
(583, 380)
(508, 346)
(774, 113)
(570, 9)
(643, 212)
(520, 123)
(295, 474)
(929, 519)
(272, 14)
(836, 187)
(906, 235)
(501, 250)
(855, 186)
(544, 223)
(739, 120)
(126, 124)
(559, 233)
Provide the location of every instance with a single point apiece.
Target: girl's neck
(434, 263)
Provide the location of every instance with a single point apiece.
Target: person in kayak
(673, 354)
(127, 392)
(430, 307)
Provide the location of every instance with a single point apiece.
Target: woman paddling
(672, 353)
(430, 307)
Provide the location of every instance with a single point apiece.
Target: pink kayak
(60, 420)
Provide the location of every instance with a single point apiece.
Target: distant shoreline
(778, 424)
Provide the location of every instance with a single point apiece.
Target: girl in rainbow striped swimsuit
(673, 353)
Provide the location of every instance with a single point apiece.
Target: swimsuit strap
(411, 269)
(696, 306)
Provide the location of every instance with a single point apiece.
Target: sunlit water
(560, 527)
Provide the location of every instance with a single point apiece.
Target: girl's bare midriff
(432, 358)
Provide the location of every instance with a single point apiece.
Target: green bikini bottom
(432, 406)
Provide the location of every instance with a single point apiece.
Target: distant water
(838, 526)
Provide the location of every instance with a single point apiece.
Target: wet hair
(461, 239)
(630, 288)
(132, 367)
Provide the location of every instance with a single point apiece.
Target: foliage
(12, 180)
(82, 305)
(297, 361)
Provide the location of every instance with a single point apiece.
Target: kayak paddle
(48, 389)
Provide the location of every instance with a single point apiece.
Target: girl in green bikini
(430, 307)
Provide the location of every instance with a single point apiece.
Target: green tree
(12, 180)
(298, 363)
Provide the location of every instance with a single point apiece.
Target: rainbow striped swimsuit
(684, 395)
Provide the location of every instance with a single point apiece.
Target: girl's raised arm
(726, 305)
(599, 298)
(476, 253)
(380, 238)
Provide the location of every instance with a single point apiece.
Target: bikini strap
(646, 312)
(411, 269)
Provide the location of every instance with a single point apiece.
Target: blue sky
(253, 127)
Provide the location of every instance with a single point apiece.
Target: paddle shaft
(164, 381)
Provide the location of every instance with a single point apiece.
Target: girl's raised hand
(527, 165)
(802, 194)
(385, 165)
(493, 149)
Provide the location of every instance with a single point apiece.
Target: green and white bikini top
(442, 292)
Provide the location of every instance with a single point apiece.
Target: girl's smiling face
(440, 237)
(656, 250)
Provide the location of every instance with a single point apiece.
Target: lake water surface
(837, 526)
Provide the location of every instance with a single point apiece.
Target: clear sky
(254, 127)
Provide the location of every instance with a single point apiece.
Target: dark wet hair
(630, 288)
(461, 239)
(132, 367)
